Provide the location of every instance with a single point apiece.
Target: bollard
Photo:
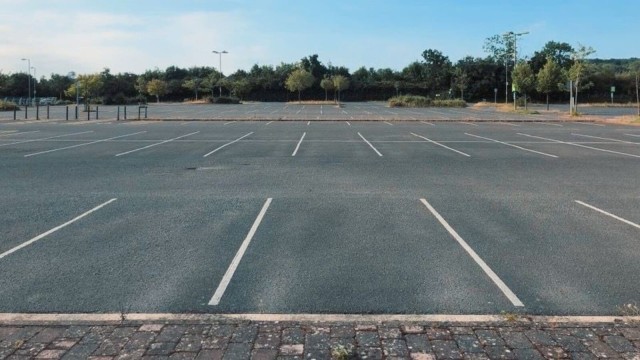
(37, 111)
(88, 113)
(118, 114)
(15, 109)
(25, 112)
(125, 112)
(138, 112)
(47, 111)
(67, 114)
(76, 112)
(96, 112)
(145, 112)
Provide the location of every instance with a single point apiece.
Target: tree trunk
(157, 99)
(326, 96)
(547, 101)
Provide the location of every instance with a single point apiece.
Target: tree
(524, 81)
(461, 80)
(88, 86)
(548, 78)
(157, 88)
(340, 83)
(194, 85)
(327, 85)
(299, 80)
(241, 88)
(59, 84)
(579, 70)
(437, 69)
(141, 85)
(559, 52)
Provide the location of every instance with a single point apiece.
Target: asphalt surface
(346, 230)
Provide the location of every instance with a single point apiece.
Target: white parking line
(308, 122)
(588, 123)
(348, 123)
(298, 146)
(27, 243)
(468, 123)
(268, 123)
(492, 275)
(227, 144)
(374, 149)
(603, 138)
(636, 135)
(608, 214)
(215, 300)
(156, 144)
(14, 132)
(444, 146)
(548, 123)
(428, 123)
(515, 146)
(47, 138)
(580, 145)
(230, 122)
(83, 144)
(388, 123)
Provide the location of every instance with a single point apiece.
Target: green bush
(458, 103)
(224, 100)
(421, 101)
(8, 106)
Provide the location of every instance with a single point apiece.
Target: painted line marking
(83, 144)
(14, 132)
(428, 123)
(468, 123)
(580, 145)
(27, 243)
(548, 123)
(515, 146)
(298, 146)
(388, 123)
(227, 144)
(348, 123)
(492, 275)
(367, 141)
(215, 300)
(636, 135)
(268, 123)
(444, 146)
(603, 138)
(308, 122)
(230, 122)
(47, 138)
(156, 144)
(588, 123)
(608, 214)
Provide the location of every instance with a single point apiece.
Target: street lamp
(515, 54)
(35, 80)
(29, 71)
(220, 64)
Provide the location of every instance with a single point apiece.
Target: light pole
(220, 64)
(29, 71)
(35, 80)
(515, 54)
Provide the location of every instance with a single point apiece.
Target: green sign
(613, 89)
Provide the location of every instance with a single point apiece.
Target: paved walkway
(237, 339)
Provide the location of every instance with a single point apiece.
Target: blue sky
(131, 36)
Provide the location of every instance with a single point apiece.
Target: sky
(133, 36)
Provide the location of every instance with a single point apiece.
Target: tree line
(541, 75)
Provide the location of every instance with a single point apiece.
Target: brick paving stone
(446, 349)
(367, 339)
(13, 334)
(461, 330)
(476, 356)
(272, 328)
(151, 327)
(342, 331)
(438, 334)
(183, 355)
(347, 343)
(631, 356)
(200, 329)
(319, 339)
(468, 343)
(600, 349)
(139, 340)
(222, 330)
(6, 352)
(264, 354)
(370, 353)
(583, 356)
(539, 337)
(292, 335)
(412, 329)
(516, 340)
(161, 348)
(31, 349)
(317, 354)
(366, 327)
(605, 330)
(16, 357)
(50, 354)
(553, 352)
(583, 334)
(62, 344)
(267, 340)
(388, 332)
(48, 335)
(499, 352)
(280, 357)
(238, 351)
(244, 334)
(418, 343)
(395, 348)
(190, 343)
(130, 354)
(291, 350)
(75, 332)
(527, 354)
(422, 356)
(215, 342)
(631, 333)
(489, 338)
(110, 346)
(619, 343)
(80, 351)
(210, 354)
(123, 331)
(171, 333)
(569, 343)
(102, 329)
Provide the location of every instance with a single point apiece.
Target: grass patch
(8, 106)
(342, 353)
(630, 309)
(422, 101)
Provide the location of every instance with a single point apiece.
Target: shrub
(8, 106)
(409, 101)
(224, 100)
(458, 103)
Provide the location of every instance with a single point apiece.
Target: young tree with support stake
(299, 80)
(523, 79)
(549, 78)
(579, 69)
(157, 88)
(340, 83)
(327, 85)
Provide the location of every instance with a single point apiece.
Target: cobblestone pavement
(295, 340)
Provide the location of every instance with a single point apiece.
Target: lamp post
(220, 64)
(515, 54)
(29, 71)
(35, 81)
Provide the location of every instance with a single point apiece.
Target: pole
(29, 80)
(637, 95)
(37, 111)
(35, 80)
(145, 111)
(47, 111)
(15, 109)
(25, 112)
(118, 114)
(97, 113)
(506, 81)
(125, 112)
(220, 68)
(67, 113)
(76, 112)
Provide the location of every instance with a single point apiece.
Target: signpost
(613, 90)
(495, 95)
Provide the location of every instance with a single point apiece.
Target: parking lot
(276, 216)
